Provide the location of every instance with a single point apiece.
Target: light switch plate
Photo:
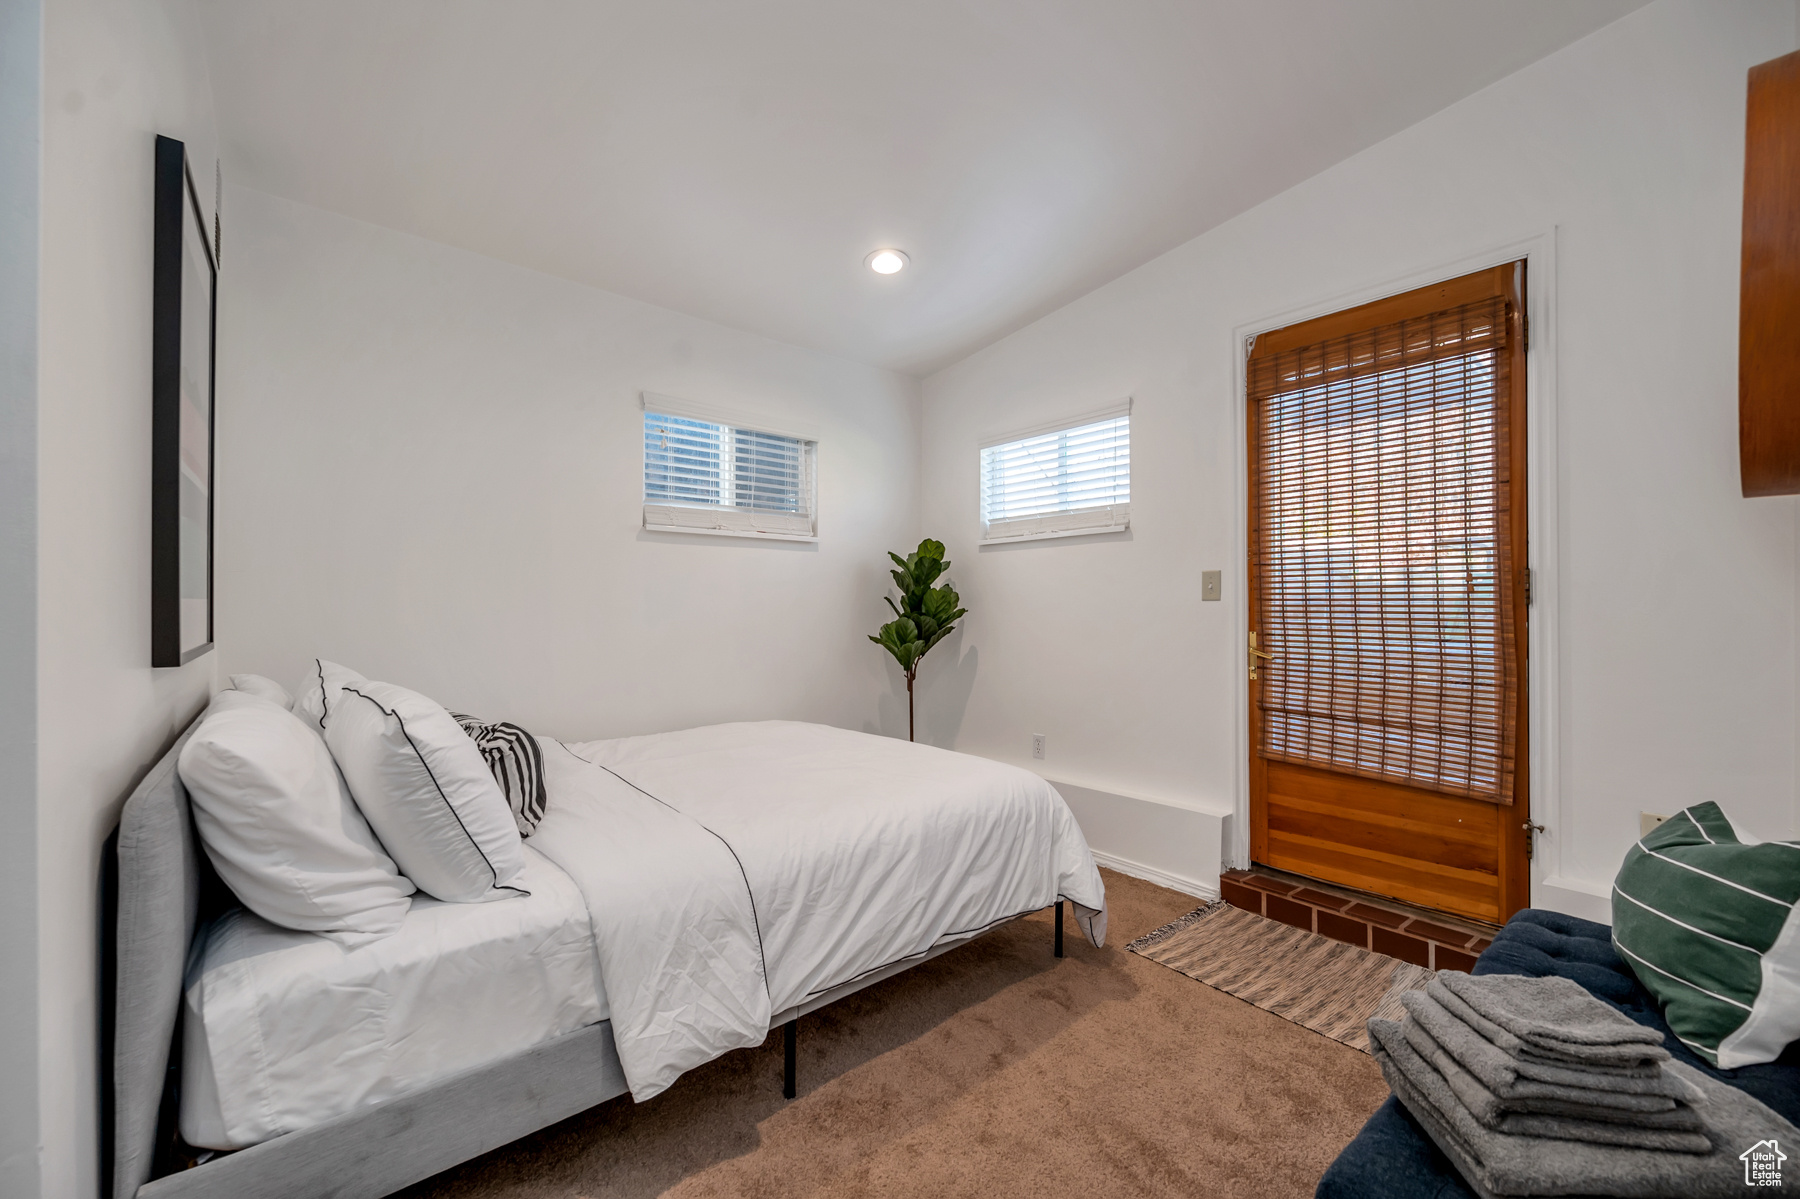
(1648, 821)
(1210, 585)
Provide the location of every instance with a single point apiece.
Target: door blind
(1381, 535)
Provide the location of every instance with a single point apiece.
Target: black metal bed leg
(1059, 952)
(790, 1038)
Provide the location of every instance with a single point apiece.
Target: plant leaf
(923, 615)
(939, 604)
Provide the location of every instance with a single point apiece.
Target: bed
(690, 892)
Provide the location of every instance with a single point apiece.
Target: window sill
(751, 534)
(1056, 535)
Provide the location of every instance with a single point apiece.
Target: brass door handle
(1255, 654)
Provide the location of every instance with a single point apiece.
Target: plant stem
(909, 706)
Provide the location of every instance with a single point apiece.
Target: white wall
(21, 95)
(1676, 597)
(115, 74)
(431, 470)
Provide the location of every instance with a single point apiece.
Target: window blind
(1380, 534)
(705, 477)
(1059, 482)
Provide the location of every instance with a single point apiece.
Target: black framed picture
(183, 323)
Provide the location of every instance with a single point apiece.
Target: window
(709, 474)
(1063, 481)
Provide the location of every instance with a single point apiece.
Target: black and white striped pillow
(518, 765)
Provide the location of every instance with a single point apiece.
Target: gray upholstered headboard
(162, 875)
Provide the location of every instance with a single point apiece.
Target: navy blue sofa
(1392, 1158)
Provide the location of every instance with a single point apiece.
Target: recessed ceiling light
(886, 262)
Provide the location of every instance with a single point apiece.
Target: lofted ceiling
(738, 161)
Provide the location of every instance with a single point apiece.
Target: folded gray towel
(1511, 1077)
(1630, 1065)
(1553, 1018)
(1640, 1067)
(1516, 1113)
(1496, 1163)
(1427, 1079)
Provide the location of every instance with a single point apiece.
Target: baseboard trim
(1574, 896)
(1162, 878)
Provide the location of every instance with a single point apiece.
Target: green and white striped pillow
(1706, 917)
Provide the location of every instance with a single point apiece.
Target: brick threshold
(1425, 938)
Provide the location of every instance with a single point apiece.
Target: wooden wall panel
(1769, 307)
(1438, 851)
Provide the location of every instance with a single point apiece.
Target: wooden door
(1769, 296)
(1388, 597)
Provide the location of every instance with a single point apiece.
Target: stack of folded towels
(1532, 1086)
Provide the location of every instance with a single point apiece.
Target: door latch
(1255, 654)
(1531, 832)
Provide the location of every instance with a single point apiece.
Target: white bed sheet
(286, 1029)
(855, 851)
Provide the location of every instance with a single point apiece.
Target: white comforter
(731, 872)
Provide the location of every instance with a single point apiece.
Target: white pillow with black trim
(280, 826)
(426, 791)
(319, 695)
(517, 763)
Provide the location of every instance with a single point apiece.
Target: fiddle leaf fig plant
(924, 615)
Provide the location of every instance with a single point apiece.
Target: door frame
(1549, 886)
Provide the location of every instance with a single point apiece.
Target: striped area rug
(1321, 984)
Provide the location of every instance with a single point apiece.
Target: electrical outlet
(1648, 821)
(1210, 586)
(1037, 746)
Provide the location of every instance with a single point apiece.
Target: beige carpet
(994, 1071)
(1325, 985)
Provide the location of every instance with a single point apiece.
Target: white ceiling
(737, 161)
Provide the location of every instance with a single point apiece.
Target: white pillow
(426, 790)
(280, 826)
(320, 693)
(269, 689)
